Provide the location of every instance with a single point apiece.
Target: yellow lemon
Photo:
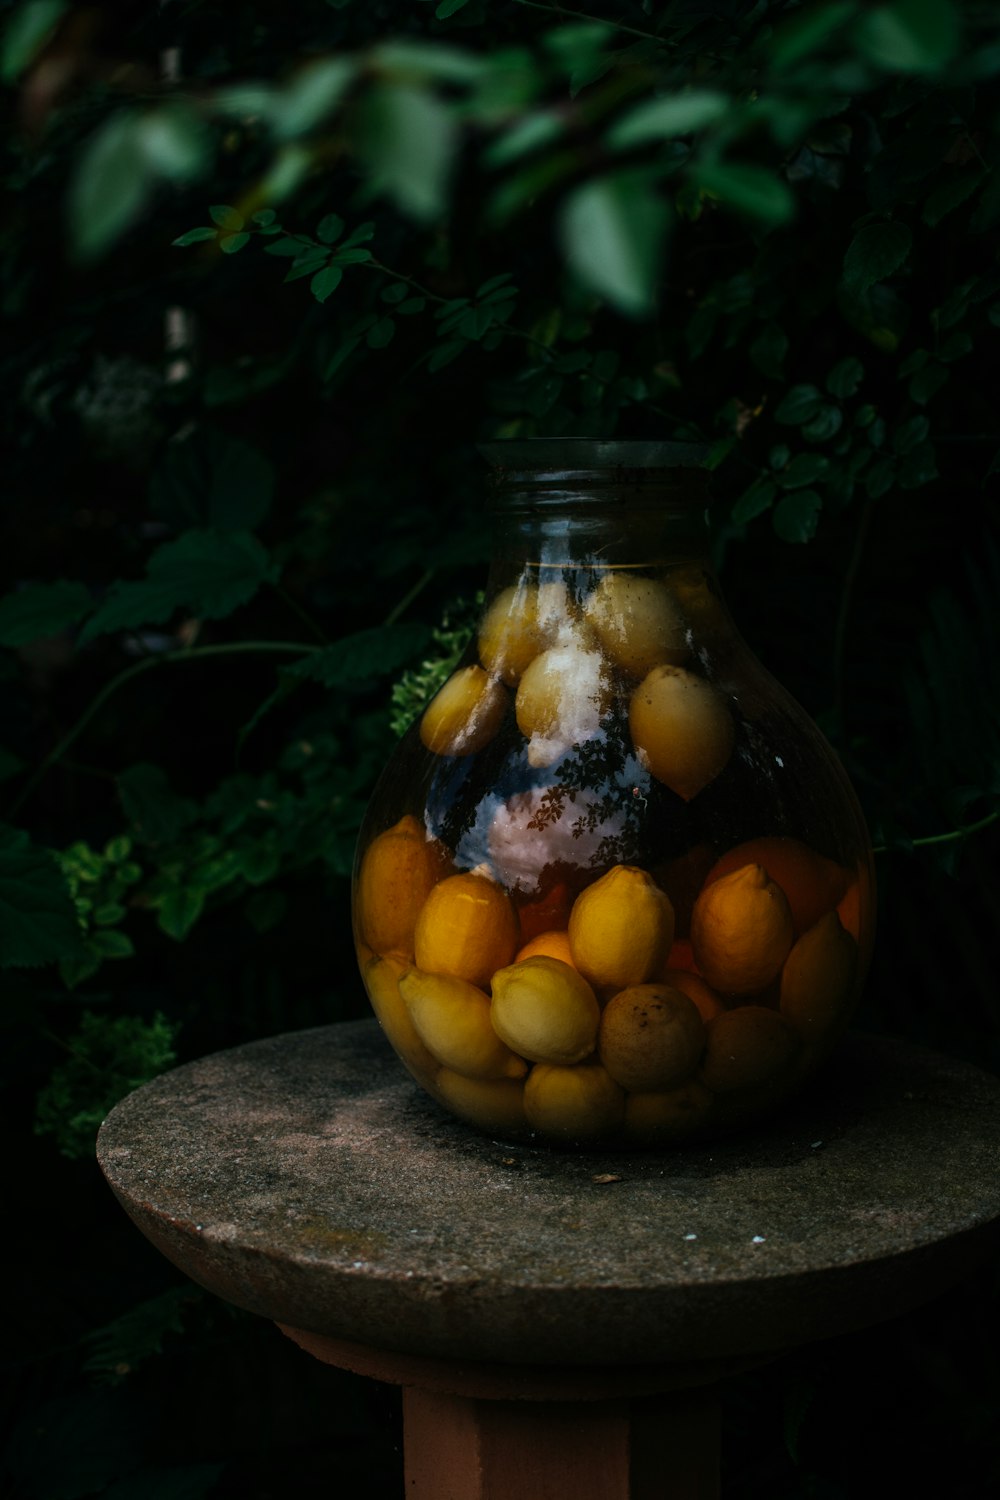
(466, 927)
(747, 1047)
(398, 872)
(812, 883)
(651, 1038)
(545, 1010)
(573, 1104)
(621, 928)
(548, 945)
(741, 931)
(495, 1106)
(696, 594)
(817, 982)
(452, 1019)
(636, 622)
(670, 1116)
(381, 978)
(681, 728)
(466, 713)
(562, 698)
(519, 623)
(707, 1001)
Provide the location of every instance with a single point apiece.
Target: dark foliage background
(267, 280)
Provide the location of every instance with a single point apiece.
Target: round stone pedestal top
(308, 1179)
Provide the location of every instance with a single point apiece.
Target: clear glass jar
(613, 888)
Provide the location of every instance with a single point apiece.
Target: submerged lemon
(465, 714)
(681, 728)
(817, 982)
(668, 1116)
(636, 622)
(452, 1019)
(545, 1010)
(467, 927)
(548, 945)
(651, 1038)
(621, 928)
(562, 698)
(381, 978)
(573, 1104)
(747, 1048)
(741, 931)
(398, 872)
(520, 622)
(812, 883)
(493, 1106)
(706, 1000)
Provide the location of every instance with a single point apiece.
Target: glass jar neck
(628, 505)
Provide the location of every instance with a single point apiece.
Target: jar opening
(532, 472)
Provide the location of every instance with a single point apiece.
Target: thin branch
(407, 599)
(194, 653)
(947, 838)
(582, 15)
(302, 614)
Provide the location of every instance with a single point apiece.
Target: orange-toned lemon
(670, 1116)
(381, 977)
(681, 728)
(812, 883)
(466, 927)
(708, 1003)
(573, 1104)
(651, 1038)
(741, 931)
(452, 1019)
(493, 1106)
(562, 698)
(544, 913)
(398, 871)
(636, 622)
(681, 956)
(548, 945)
(747, 1048)
(544, 1010)
(817, 982)
(621, 928)
(465, 714)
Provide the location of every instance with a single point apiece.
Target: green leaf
(174, 141)
(156, 813)
(326, 282)
(329, 228)
(951, 194)
(423, 60)
(207, 478)
(138, 1334)
(750, 189)
(210, 572)
(768, 350)
(908, 434)
(874, 253)
(311, 96)
(927, 382)
(107, 943)
(397, 292)
(754, 501)
(880, 477)
(38, 921)
(265, 217)
(910, 36)
(918, 467)
(195, 236)
(613, 231)
(110, 187)
(845, 377)
(40, 610)
(26, 33)
(805, 33)
(381, 334)
(799, 405)
(291, 247)
(230, 243)
(796, 516)
(802, 470)
(227, 217)
(824, 425)
(259, 863)
(665, 118)
(357, 659)
(527, 135)
(179, 910)
(448, 8)
(407, 139)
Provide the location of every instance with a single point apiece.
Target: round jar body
(613, 888)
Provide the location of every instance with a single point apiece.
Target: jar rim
(566, 457)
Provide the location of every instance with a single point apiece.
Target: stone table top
(306, 1178)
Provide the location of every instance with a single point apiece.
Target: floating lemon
(545, 1010)
(621, 929)
(741, 931)
(670, 1116)
(636, 622)
(561, 700)
(398, 871)
(493, 1106)
(452, 1019)
(651, 1038)
(812, 883)
(681, 728)
(817, 982)
(466, 713)
(520, 622)
(573, 1104)
(747, 1047)
(381, 977)
(467, 927)
(548, 945)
